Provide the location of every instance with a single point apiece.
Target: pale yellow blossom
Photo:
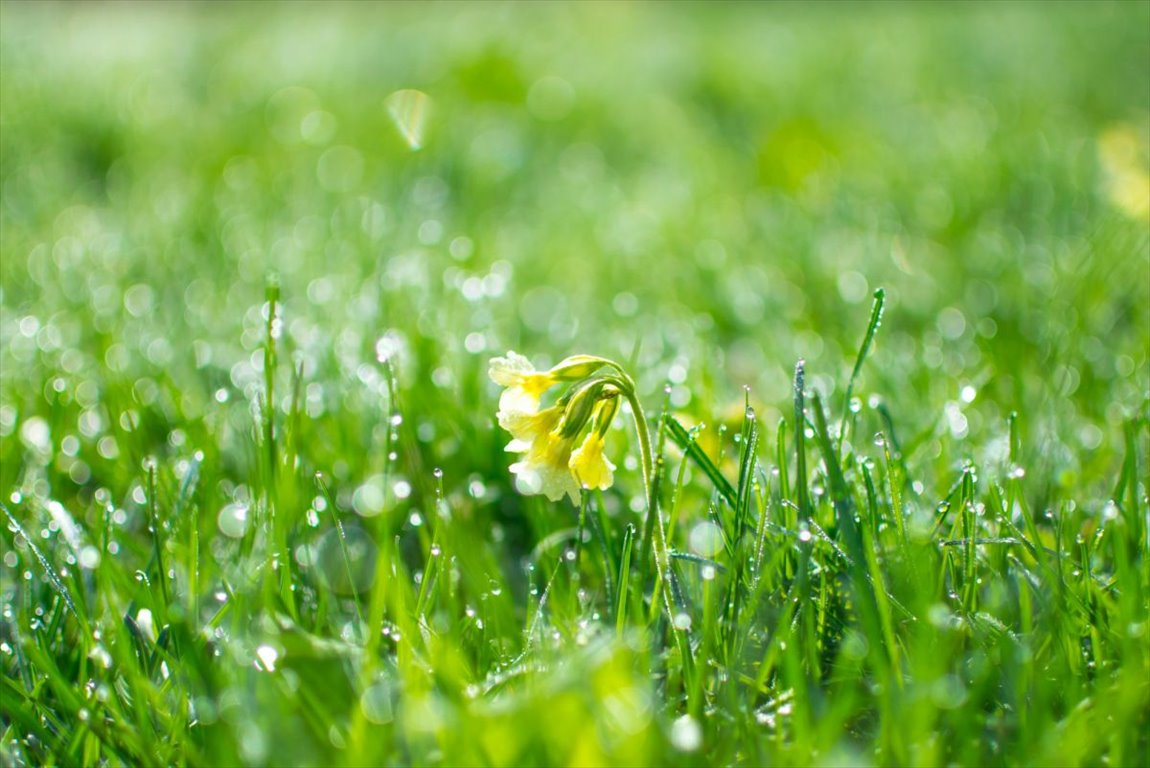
(524, 385)
(547, 437)
(526, 428)
(545, 468)
(590, 466)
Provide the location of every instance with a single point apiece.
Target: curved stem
(662, 555)
(647, 459)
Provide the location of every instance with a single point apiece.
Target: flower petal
(509, 371)
(516, 402)
(590, 466)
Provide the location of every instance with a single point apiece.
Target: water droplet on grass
(686, 734)
(233, 520)
(705, 539)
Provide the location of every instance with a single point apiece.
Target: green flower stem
(662, 555)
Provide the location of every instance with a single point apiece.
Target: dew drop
(686, 734)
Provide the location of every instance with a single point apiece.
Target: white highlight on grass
(36, 435)
(368, 498)
(89, 557)
(233, 520)
(267, 658)
(409, 109)
(146, 624)
(686, 734)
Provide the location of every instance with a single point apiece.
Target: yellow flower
(546, 437)
(524, 385)
(526, 428)
(545, 468)
(590, 466)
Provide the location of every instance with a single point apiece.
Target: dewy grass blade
(348, 567)
(152, 508)
(687, 444)
(49, 572)
(844, 506)
(801, 480)
(624, 580)
(747, 463)
(739, 556)
(868, 339)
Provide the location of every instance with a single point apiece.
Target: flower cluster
(560, 454)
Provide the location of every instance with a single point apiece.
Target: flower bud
(576, 367)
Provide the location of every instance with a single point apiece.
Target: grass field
(256, 259)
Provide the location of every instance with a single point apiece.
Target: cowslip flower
(551, 464)
(525, 386)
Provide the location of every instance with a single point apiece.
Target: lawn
(867, 291)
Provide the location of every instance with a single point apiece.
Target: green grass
(257, 507)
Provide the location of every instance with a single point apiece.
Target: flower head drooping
(590, 467)
(524, 386)
(551, 464)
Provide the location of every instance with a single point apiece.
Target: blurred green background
(713, 191)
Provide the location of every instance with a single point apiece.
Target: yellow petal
(508, 371)
(545, 469)
(590, 466)
(527, 427)
(515, 402)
